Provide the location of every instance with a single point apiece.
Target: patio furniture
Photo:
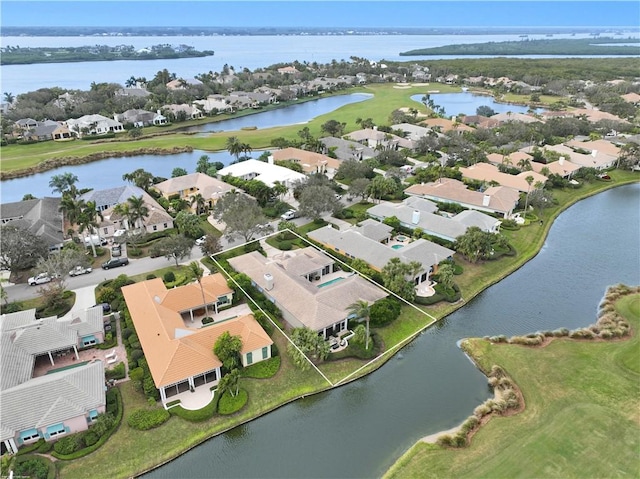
(112, 360)
(112, 354)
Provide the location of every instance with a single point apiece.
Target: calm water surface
(466, 103)
(360, 429)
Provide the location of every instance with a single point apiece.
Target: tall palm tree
(197, 273)
(88, 221)
(246, 148)
(200, 203)
(361, 310)
(529, 180)
(70, 208)
(138, 210)
(234, 147)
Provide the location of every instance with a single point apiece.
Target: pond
(467, 103)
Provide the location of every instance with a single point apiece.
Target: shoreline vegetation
(96, 53)
(150, 450)
(581, 46)
(555, 396)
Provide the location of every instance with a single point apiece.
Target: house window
(89, 340)
(249, 358)
(165, 226)
(265, 352)
(93, 415)
(223, 300)
(56, 430)
(105, 230)
(155, 228)
(29, 435)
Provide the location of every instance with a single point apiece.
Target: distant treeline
(581, 46)
(23, 55)
(536, 71)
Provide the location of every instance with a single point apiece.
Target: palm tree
(524, 164)
(9, 97)
(197, 273)
(70, 208)
(88, 221)
(246, 148)
(280, 189)
(138, 210)
(361, 310)
(529, 180)
(234, 147)
(200, 203)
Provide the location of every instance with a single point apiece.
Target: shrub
(207, 320)
(229, 404)
(151, 276)
(384, 311)
(45, 447)
(90, 438)
(470, 424)
(136, 354)
(144, 419)
(66, 445)
(482, 410)
(459, 440)
(263, 369)
(498, 339)
(284, 245)
(118, 372)
(34, 467)
(561, 332)
(445, 440)
(169, 277)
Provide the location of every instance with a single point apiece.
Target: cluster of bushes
(260, 299)
(40, 446)
(384, 311)
(111, 292)
(144, 419)
(80, 444)
(264, 369)
(207, 320)
(228, 404)
(34, 467)
(442, 293)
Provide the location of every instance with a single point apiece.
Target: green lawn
(581, 418)
(386, 98)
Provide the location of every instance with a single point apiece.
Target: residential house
(268, 173)
(48, 130)
(308, 288)
(355, 242)
(595, 159)
(220, 103)
(347, 149)
(190, 112)
(444, 125)
(40, 216)
(596, 115)
(375, 139)
(513, 159)
(182, 84)
(562, 167)
(491, 174)
(134, 92)
(178, 350)
(188, 186)
(106, 200)
(58, 403)
(519, 117)
(94, 125)
(140, 118)
(631, 98)
(413, 132)
(288, 70)
(418, 213)
(495, 199)
(479, 121)
(310, 161)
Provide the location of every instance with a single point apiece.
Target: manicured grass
(386, 98)
(159, 273)
(581, 416)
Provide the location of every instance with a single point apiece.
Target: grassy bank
(581, 417)
(385, 99)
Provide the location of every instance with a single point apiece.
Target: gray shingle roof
(41, 217)
(113, 196)
(347, 149)
(53, 398)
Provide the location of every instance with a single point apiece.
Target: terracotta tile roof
(487, 172)
(190, 295)
(309, 160)
(174, 351)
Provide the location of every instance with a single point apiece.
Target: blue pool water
(335, 280)
(397, 246)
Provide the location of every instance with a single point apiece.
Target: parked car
(116, 250)
(289, 215)
(78, 270)
(200, 241)
(106, 307)
(39, 279)
(115, 262)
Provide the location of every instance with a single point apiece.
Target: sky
(311, 13)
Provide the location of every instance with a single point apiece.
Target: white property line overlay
(389, 351)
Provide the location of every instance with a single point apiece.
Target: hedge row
(145, 419)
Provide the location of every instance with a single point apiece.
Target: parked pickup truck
(115, 262)
(289, 215)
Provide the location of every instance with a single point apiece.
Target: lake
(108, 173)
(360, 429)
(466, 103)
(238, 51)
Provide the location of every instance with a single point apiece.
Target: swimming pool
(334, 280)
(397, 246)
(401, 238)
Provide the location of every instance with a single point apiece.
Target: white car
(39, 279)
(289, 215)
(200, 241)
(78, 270)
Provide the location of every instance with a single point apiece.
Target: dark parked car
(115, 262)
(106, 307)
